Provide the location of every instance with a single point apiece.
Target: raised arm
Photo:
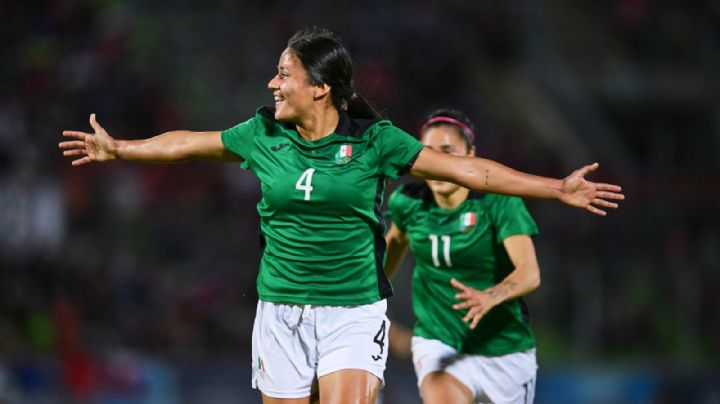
(522, 280)
(170, 147)
(489, 176)
(397, 245)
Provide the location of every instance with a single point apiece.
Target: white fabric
(293, 345)
(497, 379)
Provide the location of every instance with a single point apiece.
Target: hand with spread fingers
(592, 196)
(89, 147)
(477, 302)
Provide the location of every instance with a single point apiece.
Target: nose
(273, 83)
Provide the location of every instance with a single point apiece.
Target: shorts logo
(260, 365)
(344, 155)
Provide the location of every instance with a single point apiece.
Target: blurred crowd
(110, 272)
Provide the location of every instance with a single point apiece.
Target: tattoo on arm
(503, 290)
(487, 176)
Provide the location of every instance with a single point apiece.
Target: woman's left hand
(579, 192)
(477, 301)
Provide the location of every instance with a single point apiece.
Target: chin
(442, 188)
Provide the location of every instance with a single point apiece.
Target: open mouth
(279, 100)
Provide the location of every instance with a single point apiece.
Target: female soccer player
(323, 158)
(474, 258)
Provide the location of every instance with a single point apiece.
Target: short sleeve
(397, 209)
(510, 217)
(239, 140)
(397, 151)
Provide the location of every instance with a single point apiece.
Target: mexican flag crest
(344, 155)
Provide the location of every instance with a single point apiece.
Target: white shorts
(293, 345)
(497, 379)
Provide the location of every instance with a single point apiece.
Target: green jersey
(465, 243)
(320, 211)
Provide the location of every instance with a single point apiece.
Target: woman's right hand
(92, 147)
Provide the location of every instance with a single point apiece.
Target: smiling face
(291, 88)
(445, 139)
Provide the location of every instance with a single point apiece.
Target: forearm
(519, 283)
(175, 147)
(395, 256)
(489, 176)
(484, 175)
(397, 246)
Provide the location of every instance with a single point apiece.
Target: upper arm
(435, 165)
(209, 146)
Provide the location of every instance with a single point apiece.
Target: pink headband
(466, 129)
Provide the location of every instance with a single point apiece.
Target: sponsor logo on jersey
(344, 155)
(467, 221)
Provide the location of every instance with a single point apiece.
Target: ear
(471, 152)
(321, 91)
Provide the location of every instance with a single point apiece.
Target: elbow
(535, 281)
(532, 280)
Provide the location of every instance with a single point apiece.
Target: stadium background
(135, 283)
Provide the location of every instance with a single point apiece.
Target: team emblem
(467, 221)
(344, 155)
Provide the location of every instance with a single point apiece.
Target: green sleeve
(510, 217)
(397, 209)
(397, 150)
(239, 140)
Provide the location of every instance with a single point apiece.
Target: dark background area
(136, 283)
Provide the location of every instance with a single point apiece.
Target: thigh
(444, 388)
(304, 400)
(349, 386)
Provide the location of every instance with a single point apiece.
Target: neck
(320, 123)
(452, 200)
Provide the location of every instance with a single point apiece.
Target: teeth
(279, 99)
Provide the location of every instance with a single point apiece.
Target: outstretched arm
(522, 280)
(397, 245)
(489, 176)
(170, 147)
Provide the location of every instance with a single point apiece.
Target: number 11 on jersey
(304, 183)
(446, 249)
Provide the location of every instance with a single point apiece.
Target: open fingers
(608, 187)
(604, 203)
(75, 152)
(609, 195)
(82, 161)
(595, 210)
(73, 144)
(94, 123)
(458, 285)
(462, 305)
(76, 134)
(588, 168)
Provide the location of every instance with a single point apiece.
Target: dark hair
(454, 118)
(327, 61)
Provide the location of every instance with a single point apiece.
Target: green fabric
(476, 257)
(323, 231)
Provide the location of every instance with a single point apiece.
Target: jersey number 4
(445, 247)
(304, 183)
